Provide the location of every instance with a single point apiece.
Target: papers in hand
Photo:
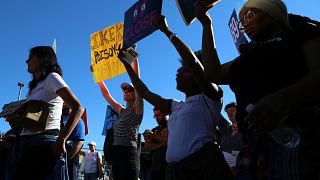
(130, 55)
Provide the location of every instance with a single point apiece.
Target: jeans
(31, 157)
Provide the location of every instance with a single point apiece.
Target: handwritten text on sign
(105, 46)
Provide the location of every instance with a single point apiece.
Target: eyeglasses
(248, 17)
(129, 89)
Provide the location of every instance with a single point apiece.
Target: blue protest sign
(237, 35)
(111, 116)
(138, 20)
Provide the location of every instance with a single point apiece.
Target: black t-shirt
(263, 68)
(159, 155)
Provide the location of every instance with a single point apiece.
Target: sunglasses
(128, 89)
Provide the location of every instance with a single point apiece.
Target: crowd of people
(273, 126)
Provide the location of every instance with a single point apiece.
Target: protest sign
(105, 46)
(138, 20)
(236, 33)
(186, 9)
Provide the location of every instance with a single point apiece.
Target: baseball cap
(92, 143)
(125, 84)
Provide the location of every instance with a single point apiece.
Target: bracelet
(171, 36)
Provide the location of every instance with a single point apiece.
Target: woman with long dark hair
(35, 152)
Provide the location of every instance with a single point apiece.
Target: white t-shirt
(46, 91)
(90, 164)
(190, 126)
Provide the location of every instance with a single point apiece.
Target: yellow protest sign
(105, 45)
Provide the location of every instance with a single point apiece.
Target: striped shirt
(126, 128)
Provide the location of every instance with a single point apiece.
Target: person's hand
(58, 147)
(161, 23)
(201, 10)
(267, 114)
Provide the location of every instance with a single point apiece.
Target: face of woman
(34, 64)
(257, 24)
(185, 80)
(128, 93)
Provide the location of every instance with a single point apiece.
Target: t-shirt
(46, 91)
(191, 126)
(159, 155)
(78, 131)
(266, 67)
(90, 164)
(126, 128)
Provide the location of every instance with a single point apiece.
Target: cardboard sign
(138, 20)
(29, 114)
(105, 46)
(237, 35)
(186, 9)
(111, 116)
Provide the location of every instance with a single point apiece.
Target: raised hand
(201, 10)
(161, 23)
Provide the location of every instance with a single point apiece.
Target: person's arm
(213, 69)
(138, 102)
(269, 110)
(76, 111)
(82, 153)
(154, 99)
(106, 94)
(77, 145)
(99, 159)
(188, 56)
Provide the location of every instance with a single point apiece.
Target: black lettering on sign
(106, 53)
(95, 43)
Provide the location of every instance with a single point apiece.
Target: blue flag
(111, 116)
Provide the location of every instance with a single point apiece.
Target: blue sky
(25, 24)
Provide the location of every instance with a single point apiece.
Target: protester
(275, 79)
(156, 142)
(231, 141)
(125, 150)
(74, 143)
(35, 153)
(191, 153)
(92, 162)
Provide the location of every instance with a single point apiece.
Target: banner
(105, 46)
(111, 116)
(138, 20)
(237, 35)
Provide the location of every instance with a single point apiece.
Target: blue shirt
(78, 131)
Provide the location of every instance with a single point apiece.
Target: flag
(85, 120)
(111, 116)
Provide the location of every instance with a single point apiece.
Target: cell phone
(131, 55)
